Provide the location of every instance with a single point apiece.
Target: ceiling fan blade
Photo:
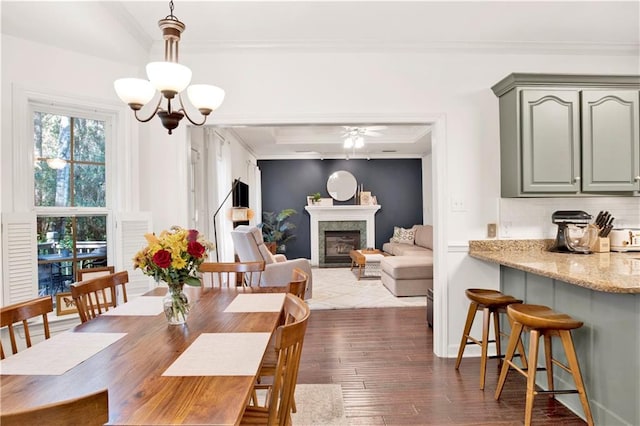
(370, 133)
(374, 128)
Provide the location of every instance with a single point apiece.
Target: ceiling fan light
(134, 91)
(168, 76)
(359, 142)
(205, 96)
(348, 143)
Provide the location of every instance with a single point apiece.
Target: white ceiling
(126, 31)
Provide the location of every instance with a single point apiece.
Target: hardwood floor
(384, 360)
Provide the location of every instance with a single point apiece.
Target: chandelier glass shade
(170, 78)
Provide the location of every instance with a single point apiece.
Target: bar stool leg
(520, 346)
(486, 318)
(548, 354)
(514, 340)
(534, 338)
(471, 314)
(572, 359)
(496, 332)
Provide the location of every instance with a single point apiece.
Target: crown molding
(477, 47)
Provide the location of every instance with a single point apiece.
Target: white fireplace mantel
(340, 213)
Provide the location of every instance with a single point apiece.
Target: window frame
(74, 211)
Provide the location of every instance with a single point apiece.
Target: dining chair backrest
(288, 343)
(88, 410)
(89, 273)
(94, 296)
(21, 312)
(230, 274)
(121, 278)
(298, 283)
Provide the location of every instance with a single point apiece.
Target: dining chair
(94, 296)
(297, 287)
(121, 278)
(298, 283)
(87, 410)
(230, 274)
(21, 312)
(88, 273)
(288, 345)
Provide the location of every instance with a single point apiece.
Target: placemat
(257, 302)
(57, 355)
(221, 354)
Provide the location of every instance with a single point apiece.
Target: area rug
(319, 405)
(339, 288)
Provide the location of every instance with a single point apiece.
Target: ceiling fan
(354, 136)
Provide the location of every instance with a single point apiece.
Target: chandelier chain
(171, 15)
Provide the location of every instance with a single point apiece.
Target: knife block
(601, 245)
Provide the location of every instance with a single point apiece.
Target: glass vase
(176, 305)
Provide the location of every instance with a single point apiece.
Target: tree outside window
(69, 188)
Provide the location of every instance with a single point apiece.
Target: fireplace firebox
(338, 244)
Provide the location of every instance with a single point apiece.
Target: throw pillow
(403, 236)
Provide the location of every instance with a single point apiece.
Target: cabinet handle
(577, 178)
(637, 178)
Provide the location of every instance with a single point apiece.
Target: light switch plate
(491, 230)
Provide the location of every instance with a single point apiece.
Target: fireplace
(338, 244)
(340, 218)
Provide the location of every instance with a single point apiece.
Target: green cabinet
(569, 135)
(610, 142)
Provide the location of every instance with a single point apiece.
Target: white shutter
(130, 230)
(19, 259)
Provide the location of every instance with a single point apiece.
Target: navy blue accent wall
(397, 184)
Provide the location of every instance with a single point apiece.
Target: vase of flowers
(174, 257)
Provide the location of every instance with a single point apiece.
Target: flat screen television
(240, 194)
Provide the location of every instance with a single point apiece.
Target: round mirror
(341, 185)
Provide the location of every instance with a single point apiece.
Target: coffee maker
(564, 218)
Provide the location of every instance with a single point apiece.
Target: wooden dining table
(132, 367)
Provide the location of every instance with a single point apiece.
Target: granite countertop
(608, 272)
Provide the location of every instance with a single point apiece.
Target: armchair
(250, 247)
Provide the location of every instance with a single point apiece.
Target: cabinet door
(610, 141)
(550, 141)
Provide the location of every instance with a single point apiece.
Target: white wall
(284, 85)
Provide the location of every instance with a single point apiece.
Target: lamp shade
(205, 96)
(134, 90)
(168, 76)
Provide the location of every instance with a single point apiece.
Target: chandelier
(170, 78)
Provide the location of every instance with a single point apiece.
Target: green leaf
(192, 281)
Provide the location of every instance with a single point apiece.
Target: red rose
(162, 258)
(195, 249)
(192, 235)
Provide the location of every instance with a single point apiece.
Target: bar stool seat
(543, 321)
(492, 302)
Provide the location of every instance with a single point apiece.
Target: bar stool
(491, 302)
(542, 321)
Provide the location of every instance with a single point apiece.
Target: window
(69, 197)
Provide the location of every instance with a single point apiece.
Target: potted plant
(276, 229)
(316, 198)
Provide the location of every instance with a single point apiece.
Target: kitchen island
(600, 289)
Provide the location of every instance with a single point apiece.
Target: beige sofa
(409, 271)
